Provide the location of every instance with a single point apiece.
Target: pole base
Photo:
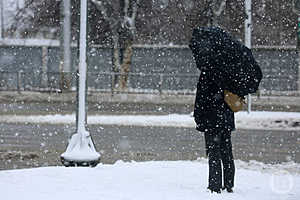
(73, 163)
(80, 151)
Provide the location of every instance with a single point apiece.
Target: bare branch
(126, 8)
(113, 20)
(134, 9)
(217, 12)
(101, 7)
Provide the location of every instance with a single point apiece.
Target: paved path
(32, 145)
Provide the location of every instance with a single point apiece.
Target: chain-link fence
(157, 83)
(154, 69)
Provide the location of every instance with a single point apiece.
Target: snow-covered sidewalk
(254, 120)
(155, 180)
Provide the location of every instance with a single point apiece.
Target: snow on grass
(154, 180)
(254, 120)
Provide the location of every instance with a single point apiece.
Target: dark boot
(229, 190)
(214, 190)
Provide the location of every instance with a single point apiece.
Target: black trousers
(219, 152)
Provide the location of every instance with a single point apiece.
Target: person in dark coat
(215, 119)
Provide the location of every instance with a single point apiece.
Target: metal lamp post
(1, 20)
(296, 9)
(81, 150)
(248, 27)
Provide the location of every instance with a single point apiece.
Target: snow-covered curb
(254, 120)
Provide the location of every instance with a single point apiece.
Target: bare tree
(121, 17)
(214, 10)
(36, 18)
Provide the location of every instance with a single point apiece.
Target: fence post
(19, 74)
(298, 72)
(44, 66)
(112, 74)
(161, 79)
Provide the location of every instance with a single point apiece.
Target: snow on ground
(154, 180)
(244, 120)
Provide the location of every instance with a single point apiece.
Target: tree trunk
(116, 61)
(125, 67)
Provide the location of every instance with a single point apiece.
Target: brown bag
(234, 102)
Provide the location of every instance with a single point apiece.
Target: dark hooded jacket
(210, 111)
(229, 61)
